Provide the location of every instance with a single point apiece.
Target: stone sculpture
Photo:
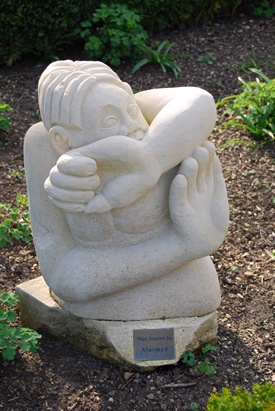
(127, 201)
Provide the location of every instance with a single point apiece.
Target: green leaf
(208, 347)
(9, 353)
(206, 367)
(188, 358)
(139, 65)
(11, 316)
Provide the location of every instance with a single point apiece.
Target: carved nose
(129, 128)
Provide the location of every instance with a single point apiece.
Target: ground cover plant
(15, 221)
(59, 376)
(5, 121)
(14, 338)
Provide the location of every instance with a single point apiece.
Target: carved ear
(59, 138)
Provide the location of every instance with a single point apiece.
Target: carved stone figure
(127, 198)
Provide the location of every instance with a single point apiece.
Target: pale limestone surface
(110, 340)
(127, 198)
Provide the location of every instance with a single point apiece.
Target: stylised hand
(198, 201)
(72, 182)
(110, 173)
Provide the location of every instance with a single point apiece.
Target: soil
(62, 377)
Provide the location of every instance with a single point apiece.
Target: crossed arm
(180, 120)
(199, 220)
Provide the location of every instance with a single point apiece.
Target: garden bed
(61, 377)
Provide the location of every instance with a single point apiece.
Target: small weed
(36, 115)
(5, 122)
(188, 358)
(253, 62)
(18, 174)
(159, 56)
(205, 366)
(15, 221)
(12, 338)
(194, 406)
(208, 58)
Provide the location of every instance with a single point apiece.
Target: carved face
(107, 111)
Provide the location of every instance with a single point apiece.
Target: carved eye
(110, 122)
(132, 110)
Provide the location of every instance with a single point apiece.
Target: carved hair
(63, 86)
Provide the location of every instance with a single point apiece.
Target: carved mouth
(138, 135)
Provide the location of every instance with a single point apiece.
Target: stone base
(119, 342)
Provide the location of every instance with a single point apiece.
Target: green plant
(118, 34)
(264, 9)
(208, 58)
(254, 108)
(160, 56)
(194, 406)
(15, 221)
(162, 14)
(4, 121)
(12, 338)
(253, 62)
(188, 358)
(17, 174)
(205, 366)
(262, 398)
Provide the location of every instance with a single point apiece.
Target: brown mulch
(62, 377)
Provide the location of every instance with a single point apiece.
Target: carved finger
(178, 199)
(67, 196)
(189, 168)
(212, 152)
(210, 147)
(201, 154)
(76, 165)
(65, 181)
(67, 207)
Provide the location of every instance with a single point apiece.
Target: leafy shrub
(12, 338)
(160, 56)
(15, 221)
(4, 121)
(118, 34)
(44, 28)
(264, 9)
(262, 398)
(162, 14)
(39, 27)
(254, 108)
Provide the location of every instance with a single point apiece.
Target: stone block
(114, 340)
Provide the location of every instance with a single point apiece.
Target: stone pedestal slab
(138, 345)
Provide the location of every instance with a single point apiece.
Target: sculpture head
(82, 102)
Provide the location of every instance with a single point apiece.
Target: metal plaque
(154, 344)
